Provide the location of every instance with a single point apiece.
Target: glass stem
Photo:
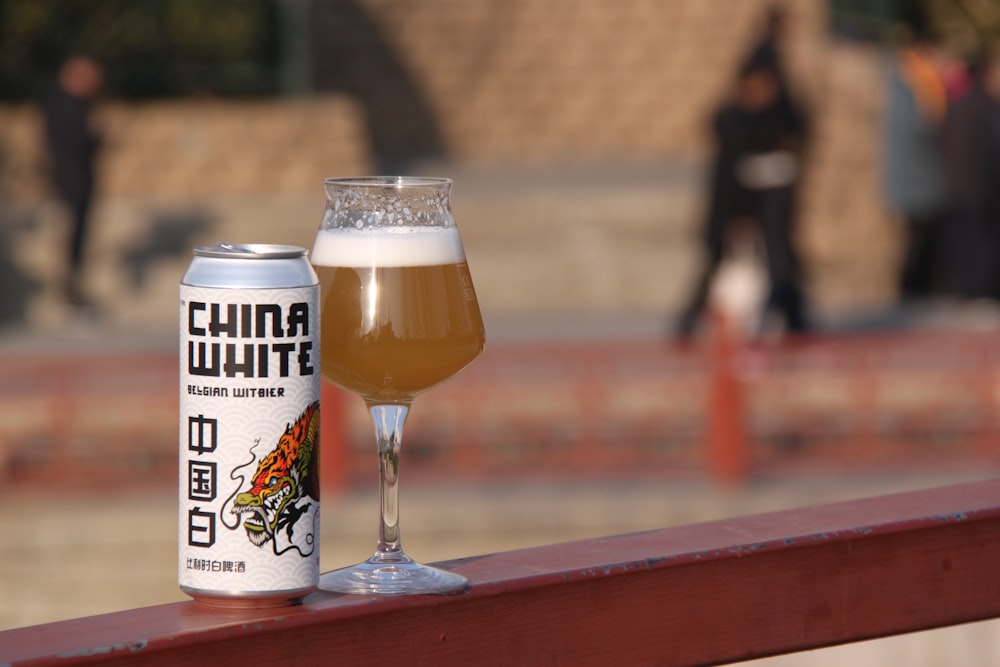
(388, 420)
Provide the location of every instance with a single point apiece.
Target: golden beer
(398, 315)
(388, 333)
(398, 310)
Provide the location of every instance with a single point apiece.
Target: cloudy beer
(399, 313)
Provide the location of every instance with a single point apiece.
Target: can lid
(250, 251)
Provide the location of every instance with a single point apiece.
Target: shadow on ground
(19, 287)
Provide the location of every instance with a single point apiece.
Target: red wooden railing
(558, 408)
(702, 594)
(88, 417)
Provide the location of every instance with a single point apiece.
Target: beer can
(248, 514)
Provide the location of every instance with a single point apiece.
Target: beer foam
(396, 246)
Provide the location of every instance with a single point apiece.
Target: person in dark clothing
(727, 200)
(971, 156)
(72, 146)
(766, 52)
(759, 137)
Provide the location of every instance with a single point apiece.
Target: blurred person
(767, 50)
(917, 101)
(781, 149)
(72, 147)
(728, 200)
(759, 138)
(971, 157)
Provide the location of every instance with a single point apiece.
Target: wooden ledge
(701, 594)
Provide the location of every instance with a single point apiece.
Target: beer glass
(399, 316)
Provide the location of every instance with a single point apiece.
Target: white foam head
(395, 246)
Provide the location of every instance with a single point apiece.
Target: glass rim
(389, 181)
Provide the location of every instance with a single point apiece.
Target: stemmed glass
(399, 316)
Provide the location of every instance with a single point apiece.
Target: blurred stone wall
(591, 101)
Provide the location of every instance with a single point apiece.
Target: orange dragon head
(283, 477)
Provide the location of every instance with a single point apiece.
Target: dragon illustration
(286, 476)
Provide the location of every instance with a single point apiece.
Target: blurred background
(851, 337)
(581, 123)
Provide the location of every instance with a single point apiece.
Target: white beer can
(248, 516)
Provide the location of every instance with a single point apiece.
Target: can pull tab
(241, 249)
(250, 251)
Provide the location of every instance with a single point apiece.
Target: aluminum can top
(249, 266)
(250, 251)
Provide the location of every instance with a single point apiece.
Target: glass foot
(391, 575)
